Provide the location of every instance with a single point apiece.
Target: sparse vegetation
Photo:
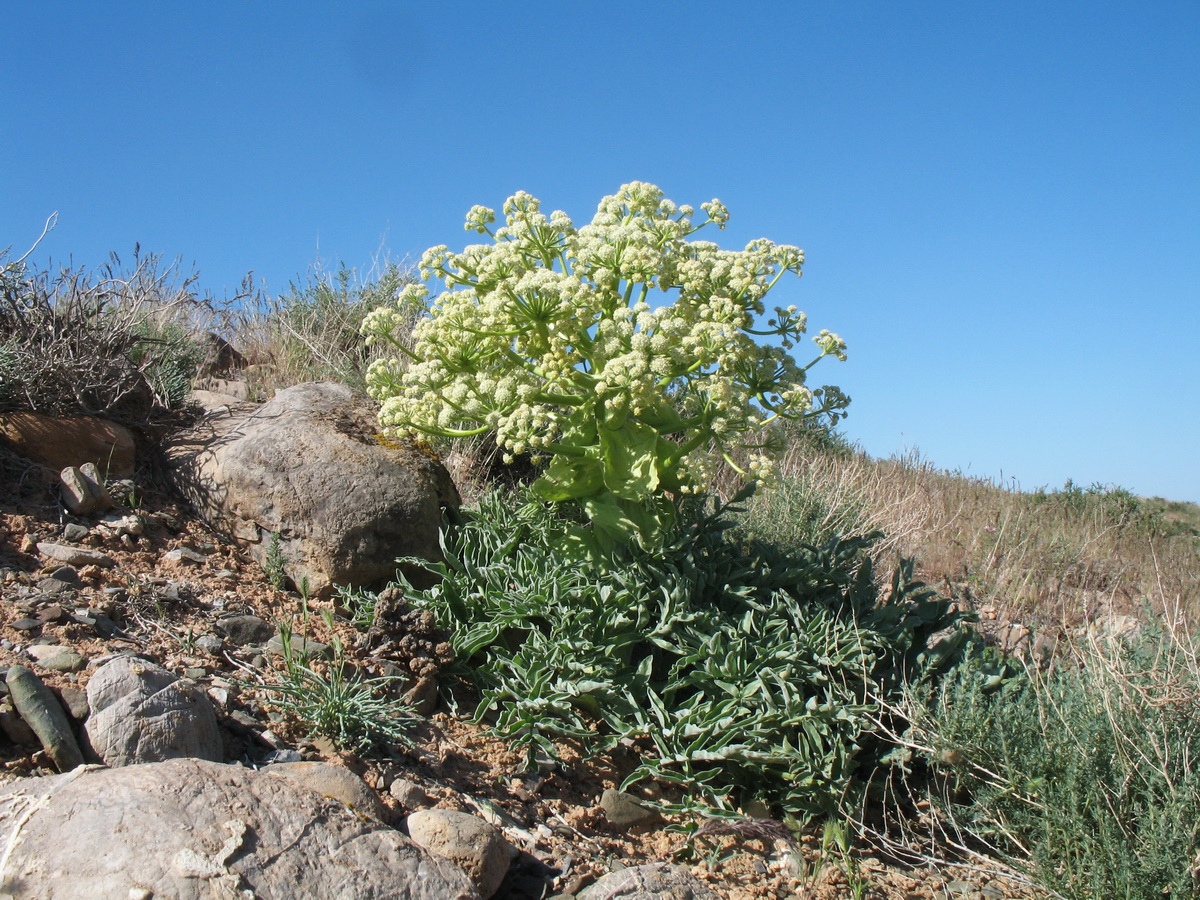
(777, 653)
(115, 342)
(332, 700)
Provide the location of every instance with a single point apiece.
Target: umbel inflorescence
(626, 350)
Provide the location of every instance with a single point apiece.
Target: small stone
(408, 795)
(74, 533)
(282, 756)
(423, 696)
(52, 613)
(195, 673)
(124, 524)
(75, 701)
(83, 490)
(210, 644)
(624, 811)
(28, 543)
(57, 657)
(243, 630)
(302, 647)
(74, 556)
(15, 728)
(26, 624)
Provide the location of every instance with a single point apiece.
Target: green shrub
(1084, 776)
(736, 671)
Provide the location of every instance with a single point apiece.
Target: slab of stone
(56, 657)
(74, 556)
(653, 881)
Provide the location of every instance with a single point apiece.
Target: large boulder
(57, 442)
(195, 830)
(307, 482)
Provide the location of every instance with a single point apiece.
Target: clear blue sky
(1000, 202)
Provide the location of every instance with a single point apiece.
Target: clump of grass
(115, 342)
(330, 699)
(313, 332)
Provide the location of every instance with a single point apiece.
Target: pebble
(302, 647)
(210, 644)
(73, 532)
(243, 630)
(408, 795)
(625, 812)
(26, 624)
(75, 701)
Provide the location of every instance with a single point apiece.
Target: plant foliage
(735, 670)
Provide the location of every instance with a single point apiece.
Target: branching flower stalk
(626, 351)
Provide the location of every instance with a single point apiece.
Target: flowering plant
(547, 335)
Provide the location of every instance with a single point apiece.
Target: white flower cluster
(549, 333)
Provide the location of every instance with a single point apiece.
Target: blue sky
(1000, 203)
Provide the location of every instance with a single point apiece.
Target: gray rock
(478, 848)
(83, 490)
(337, 782)
(141, 713)
(75, 556)
(624, 811)
(68, 575)
(73, 532)
(409, 795)
(15, 728)
(181, 556)
(43, 713)
(300, 646)
(74, 701)
(310, 466)
(130, 524)
(655, 881)
(194, 830)
(210, 644)
(56, 657)
(243, 630)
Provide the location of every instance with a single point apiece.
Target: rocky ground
(147, 579)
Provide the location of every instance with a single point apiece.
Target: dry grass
(1062, 556)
